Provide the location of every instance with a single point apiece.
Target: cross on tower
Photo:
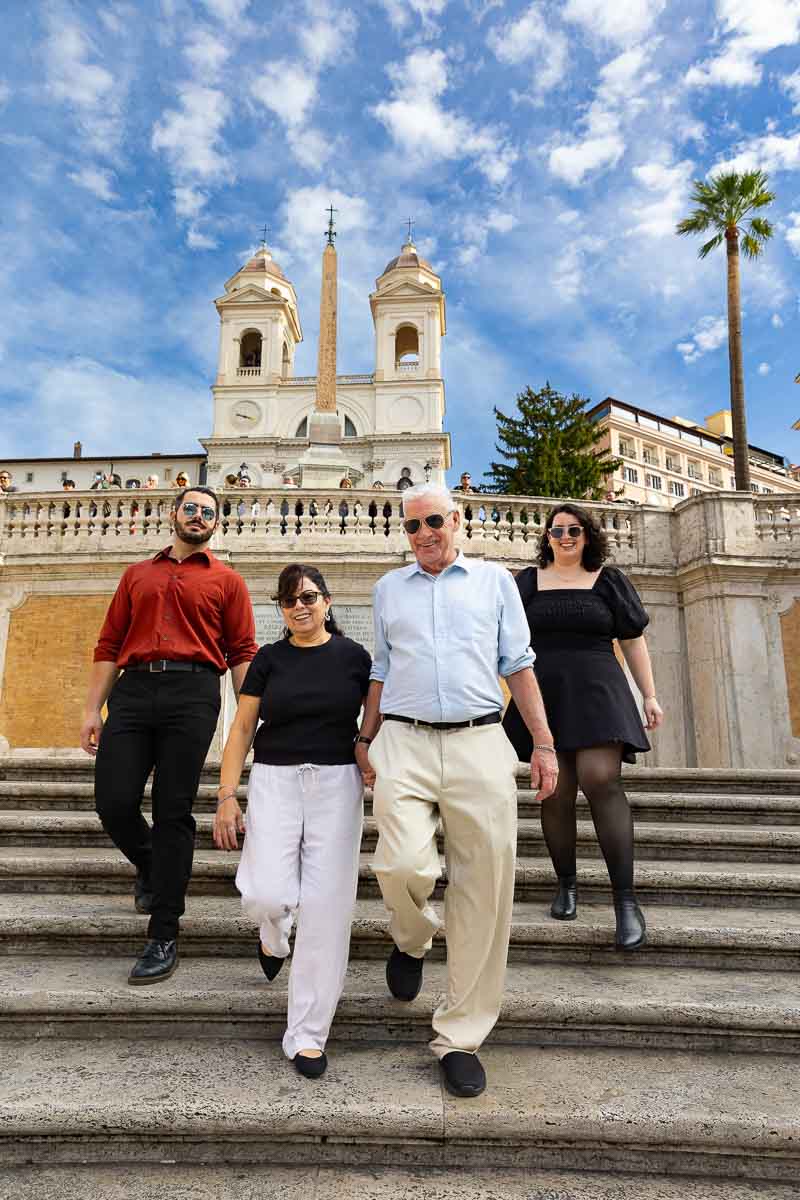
(410, 223)
(330, 231)
(265, 234)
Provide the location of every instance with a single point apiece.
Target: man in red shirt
(177, 623)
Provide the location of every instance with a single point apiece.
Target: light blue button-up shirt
(442, 640)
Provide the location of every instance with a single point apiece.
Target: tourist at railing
(445, 628)
(304, 805)
(575, 607)
(177, 622)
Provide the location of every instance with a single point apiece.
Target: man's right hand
(91, 729)
(362, 762)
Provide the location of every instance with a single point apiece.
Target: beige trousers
(466, 777)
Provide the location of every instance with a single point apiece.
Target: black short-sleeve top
(310, 701)
(611, 608)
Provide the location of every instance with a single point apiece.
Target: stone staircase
(668, 1073)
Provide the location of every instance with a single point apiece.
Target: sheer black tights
(596, 771)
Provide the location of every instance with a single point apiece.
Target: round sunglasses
(558, 531)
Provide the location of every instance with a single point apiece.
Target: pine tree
(551, 448)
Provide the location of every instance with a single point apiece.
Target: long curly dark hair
(595, 552)
(289, 581)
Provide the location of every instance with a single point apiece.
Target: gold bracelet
(222, 799)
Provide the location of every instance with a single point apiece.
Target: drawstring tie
(301, 770)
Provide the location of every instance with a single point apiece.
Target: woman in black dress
(576, 607)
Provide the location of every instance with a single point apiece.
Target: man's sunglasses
(191, 510)
(558, 531)
(433, 521)
(307, 599)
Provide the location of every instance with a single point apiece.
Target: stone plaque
(355, 620)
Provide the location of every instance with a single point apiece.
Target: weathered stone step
(746, 939)
(544, 1004)
(212, 1100)
(99, 870)
(735, 843)
(148, 1181)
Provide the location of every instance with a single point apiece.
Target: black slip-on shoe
(404, 975)
(311, 1068)
(631, 933)
(270, 965)
(565, 904)
(158, 961)
(463, 1074)
(143, 894)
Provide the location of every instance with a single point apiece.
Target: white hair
(434, 491)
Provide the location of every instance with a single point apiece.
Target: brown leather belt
(492, 718)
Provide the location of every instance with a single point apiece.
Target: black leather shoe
(565, 904)
(158, 961)
(312, 1068)
(143, 894)
(270, 965)
(404, 975)
(631, 929)
(463, 1074)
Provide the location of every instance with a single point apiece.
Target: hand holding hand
(91, 729)
(228, 822)
(544, 772)
(362, 762)
(653, 712)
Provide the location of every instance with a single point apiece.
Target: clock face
(245, 415)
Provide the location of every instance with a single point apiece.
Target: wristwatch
(367, 741)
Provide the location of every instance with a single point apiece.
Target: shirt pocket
(472, 626)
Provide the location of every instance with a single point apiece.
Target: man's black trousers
(164, 723)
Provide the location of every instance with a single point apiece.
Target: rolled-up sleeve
(238, 624)
(116, 625)
(514, 635)
(380, 659)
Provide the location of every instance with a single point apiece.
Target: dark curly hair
(595, 552)
(289, 581)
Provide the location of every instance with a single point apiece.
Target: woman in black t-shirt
(304, 805)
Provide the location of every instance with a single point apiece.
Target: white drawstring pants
(300, 856)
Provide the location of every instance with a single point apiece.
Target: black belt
(169, 664)
(492, 718)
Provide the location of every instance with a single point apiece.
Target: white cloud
(793, 233)
(622, 22)
(568, 276)
(708, 334)
(665, 187)
(326, 38)
(427, 132)
(227, 11)
(529, 40)
(776, 320)
(288, 90)
(85, 86)
(764, 368)
(96, 180)
(196, 240)
(772, 152)
(206, 53)
(305, 216)
(754, 29)
(189, 136)
(791, 85)
(402, 12)
(189, 202)
(310, 147)
(477, 230)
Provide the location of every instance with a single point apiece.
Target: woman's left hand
(363, 764)
(653, 712)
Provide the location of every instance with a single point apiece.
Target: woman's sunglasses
(414, 524)
(191, 510)
(307, 599)
(558, 531)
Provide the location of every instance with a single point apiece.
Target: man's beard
(193, 537)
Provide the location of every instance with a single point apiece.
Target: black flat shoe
(404, 975)
(631, 929)
(270, 965)
(158, 961)
(463, 1074)
(311, 1068)
(143, 894)
(565, 904)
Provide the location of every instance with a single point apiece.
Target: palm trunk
(738, 416)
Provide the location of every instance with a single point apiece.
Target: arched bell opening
(406, 346)
(250, 349)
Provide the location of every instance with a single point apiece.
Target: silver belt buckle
(158, 665)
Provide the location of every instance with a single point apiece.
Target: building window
(676, 488)
(302, 429)
(627, 447)
(349, 428)
(715, 476)
(630, 474)
(650, 455)
(673, 464)
(695, 491)
(733, 483)
(754, 487)
(694, 470)
(654, 482)
(767, 491)
(29, 476)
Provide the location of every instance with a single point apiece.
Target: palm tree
(723, 204)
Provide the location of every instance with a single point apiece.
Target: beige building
(49, 474)
(668, 459)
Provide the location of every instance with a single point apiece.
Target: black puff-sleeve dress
(586, 694)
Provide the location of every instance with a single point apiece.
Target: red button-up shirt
(196, 610)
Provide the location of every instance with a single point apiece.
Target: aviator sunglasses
(433, 521)
(558, 531)
(191, 510)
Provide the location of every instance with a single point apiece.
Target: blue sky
(544, 150)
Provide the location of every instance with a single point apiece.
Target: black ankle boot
(631, 929)
(565, 905)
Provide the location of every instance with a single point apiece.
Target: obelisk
(324, 464)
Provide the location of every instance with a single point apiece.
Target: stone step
(544, 1004)
(734, 843)
(691, 882)
(148, 1181)
(699, 808)
(85, 925)
(214, 1100)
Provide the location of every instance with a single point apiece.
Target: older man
(445, 628)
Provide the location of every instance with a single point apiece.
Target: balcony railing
(778, 518)
(308, 380)
(248, 372)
